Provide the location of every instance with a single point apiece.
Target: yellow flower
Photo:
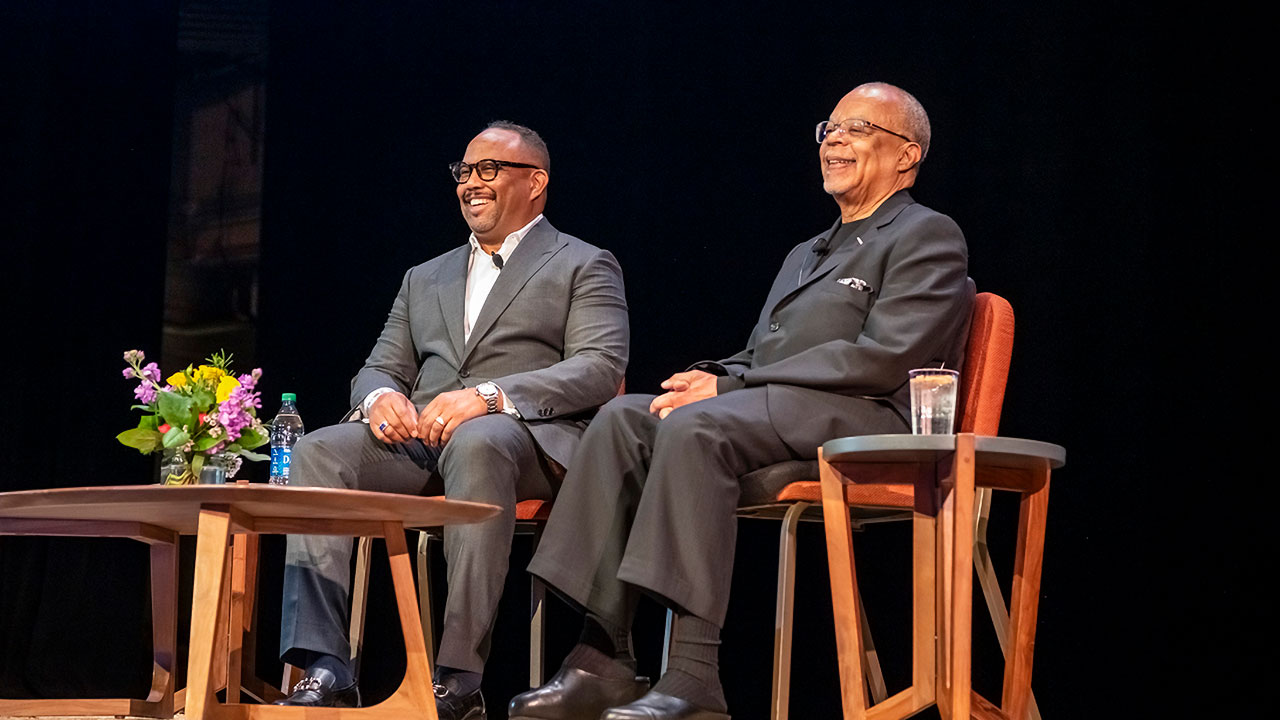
(177, 380)
(225, 386)
(209, 375)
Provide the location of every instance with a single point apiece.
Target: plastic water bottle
(286, 428)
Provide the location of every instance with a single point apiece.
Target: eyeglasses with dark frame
(487, 169)
(826, 127)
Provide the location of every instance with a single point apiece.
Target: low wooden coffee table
(157, 515)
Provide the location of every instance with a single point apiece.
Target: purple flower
(129, 374)
(151, 372)
(250, 381)
(132, 356)
(145, 393)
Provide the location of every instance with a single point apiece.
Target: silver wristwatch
(489, 393)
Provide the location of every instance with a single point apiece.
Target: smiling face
(496, 208)
(862, 168)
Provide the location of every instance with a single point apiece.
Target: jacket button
(774, 327)
(464, 373)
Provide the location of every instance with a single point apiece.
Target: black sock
(693, 668)
(334, 664)
(459, 682)
(603, 649)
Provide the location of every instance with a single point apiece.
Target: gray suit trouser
(650, 504)
(490, 459)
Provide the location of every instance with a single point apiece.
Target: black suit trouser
(490, 459)
(650, 504)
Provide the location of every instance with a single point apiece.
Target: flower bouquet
(203, 415)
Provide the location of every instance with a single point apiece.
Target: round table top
(991, 450)
(177, 507)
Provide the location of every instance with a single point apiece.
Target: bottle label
(280, 459)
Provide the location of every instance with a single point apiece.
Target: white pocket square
(855, 283)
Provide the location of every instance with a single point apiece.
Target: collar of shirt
(508, 244)
(481, 276)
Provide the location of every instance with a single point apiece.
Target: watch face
(487, 388)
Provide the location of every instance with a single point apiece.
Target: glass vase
(175, 468)
(216, 469)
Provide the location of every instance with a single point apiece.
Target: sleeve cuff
(508, 407)
(709, 366)
(729, 383)
(368, 399)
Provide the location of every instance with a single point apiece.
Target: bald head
(913, 121)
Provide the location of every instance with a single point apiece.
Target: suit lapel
(883, 215)
(530, 255)
(453, 296)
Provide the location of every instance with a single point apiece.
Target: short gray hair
(531, 140)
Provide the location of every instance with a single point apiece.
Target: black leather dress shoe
(574, 694)
(317, 690)
(656, 706)
(452, 706)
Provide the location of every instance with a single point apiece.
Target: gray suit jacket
(855, 325)
(553, 334)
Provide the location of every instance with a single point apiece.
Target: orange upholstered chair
(791, 491)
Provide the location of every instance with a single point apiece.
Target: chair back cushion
(986, 364)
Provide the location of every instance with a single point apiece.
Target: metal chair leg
(537, 627)
(782, 625)
(666, 642)
(359, 601)
(424, 594)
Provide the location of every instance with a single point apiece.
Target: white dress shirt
(482, 273)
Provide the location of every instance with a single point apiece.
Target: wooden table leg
(1024, 600)
(416, 687)
(211, 560)
(164, 623)
(956, 552)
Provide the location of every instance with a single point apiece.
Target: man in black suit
(648, 503)
(492, 358)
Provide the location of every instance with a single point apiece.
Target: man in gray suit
(493, 357)
(648, 502)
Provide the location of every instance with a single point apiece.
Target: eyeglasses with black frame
(487, 169)
(857, 127)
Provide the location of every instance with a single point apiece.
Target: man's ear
(538, 180)
(909, 157)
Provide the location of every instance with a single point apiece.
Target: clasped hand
(394, 419)
(683, 388)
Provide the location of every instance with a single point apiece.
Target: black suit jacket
(893, 299)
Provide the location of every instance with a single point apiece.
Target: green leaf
(176, 409)
(197, 462)
(149, 422)
(176, 437)
(205, 443)
(145, 441)
(202, 400)
(257, 457)
(252, 438)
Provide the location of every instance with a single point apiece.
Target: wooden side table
(214, 513)
(945, 471)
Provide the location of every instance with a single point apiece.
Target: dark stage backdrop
(682, 140)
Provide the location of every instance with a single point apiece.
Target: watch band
(490, 398)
